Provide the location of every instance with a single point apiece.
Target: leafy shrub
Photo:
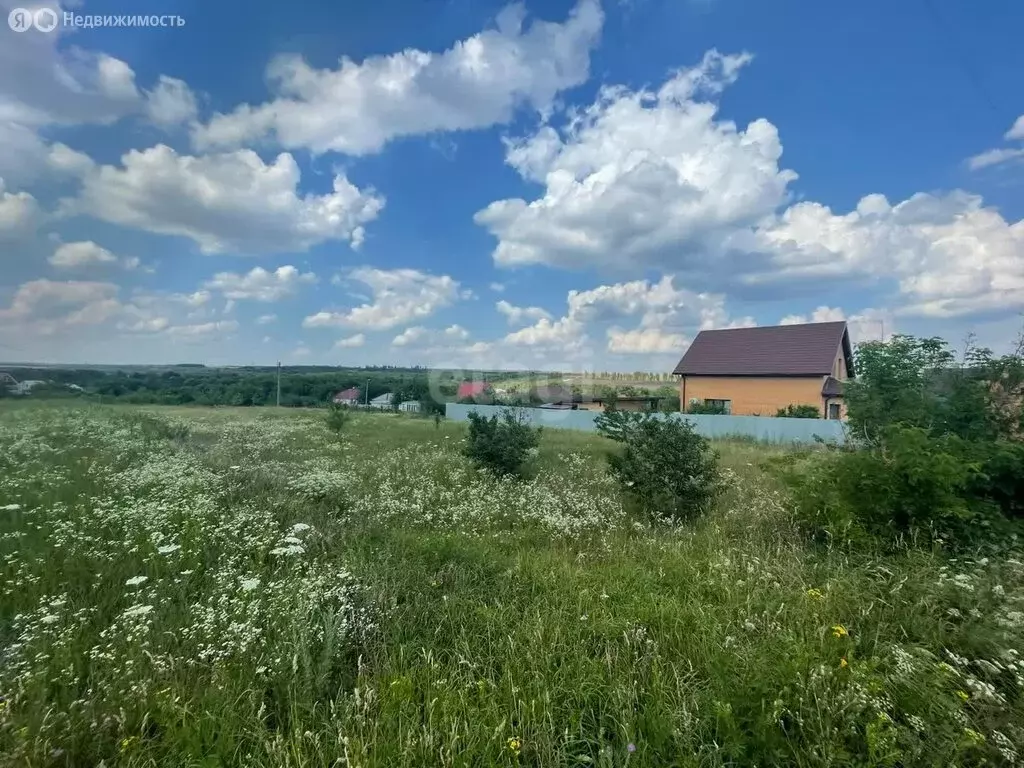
(798, 412)
(502, 444)
(909, 486)
(665, 465)
(616, 424)
(338, 417)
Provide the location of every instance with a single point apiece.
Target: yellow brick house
(757, 371)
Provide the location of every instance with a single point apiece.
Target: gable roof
(471, 389)
(352, 393)
(384, 399)
(807, 349)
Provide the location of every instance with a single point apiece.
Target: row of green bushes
(936, 453)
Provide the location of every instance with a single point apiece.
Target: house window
(725, 405)
(833, 410)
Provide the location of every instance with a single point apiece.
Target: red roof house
(347, 396)
(471, 389)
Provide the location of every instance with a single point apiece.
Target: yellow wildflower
(973, 737)
(514, 745)
(843, 663)
(127, 743)
(815, 594)
(839, 631)
(962, 695)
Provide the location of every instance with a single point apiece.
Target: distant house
(383, 401)
(26, 387)
(410, 406)
(346, 397)
(471, 389)
(749, 371)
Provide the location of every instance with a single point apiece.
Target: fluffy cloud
(44, 82)
(19, 214)
(81, 254)
(665, 317)
(430, 338)
(654, 180)
(948, 255)
(350, 342)
(224, 202)
(358, 107)
(398, 296)
(47, 307)
(266, 319)
(260, 284)
(1001, 155)
(866, 325)
(516, 315)
(198, 330)
(171, 103)
(641, 178)
(645, 341)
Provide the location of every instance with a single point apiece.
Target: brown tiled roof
(833, 388)
(807, 349)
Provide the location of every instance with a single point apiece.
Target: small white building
(383, 401)
(410, 406)
(26, 387)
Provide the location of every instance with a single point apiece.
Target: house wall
(753, 395)
(839, 366)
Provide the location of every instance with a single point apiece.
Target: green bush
(338, 416)
(910, 486)
(616, 424)
(798, 412)
(665, 465)
(501, 445)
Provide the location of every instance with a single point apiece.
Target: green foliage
(445, 618)
(940, 454)
(338, 417)
(896, 383)
(501, 444)
(910, 486)
(707, 408)
(799, 412)
(665, 465)
(617, 424)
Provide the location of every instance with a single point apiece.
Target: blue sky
(568, 185)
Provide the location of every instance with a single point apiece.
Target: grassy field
(228, 587)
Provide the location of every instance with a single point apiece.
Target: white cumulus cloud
(358, 107)
(398, 296)
(224, 202)
(516, 315)
(260, 284)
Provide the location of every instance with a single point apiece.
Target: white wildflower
(138, 610)
(250, 584)
(291, 549)
(166, 549)
(11, 507)
(134, 581)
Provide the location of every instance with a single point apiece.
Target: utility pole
(367, 392)
(278, 383)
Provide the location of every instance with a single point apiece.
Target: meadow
(240, 587)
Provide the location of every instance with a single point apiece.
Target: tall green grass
(370, 600)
